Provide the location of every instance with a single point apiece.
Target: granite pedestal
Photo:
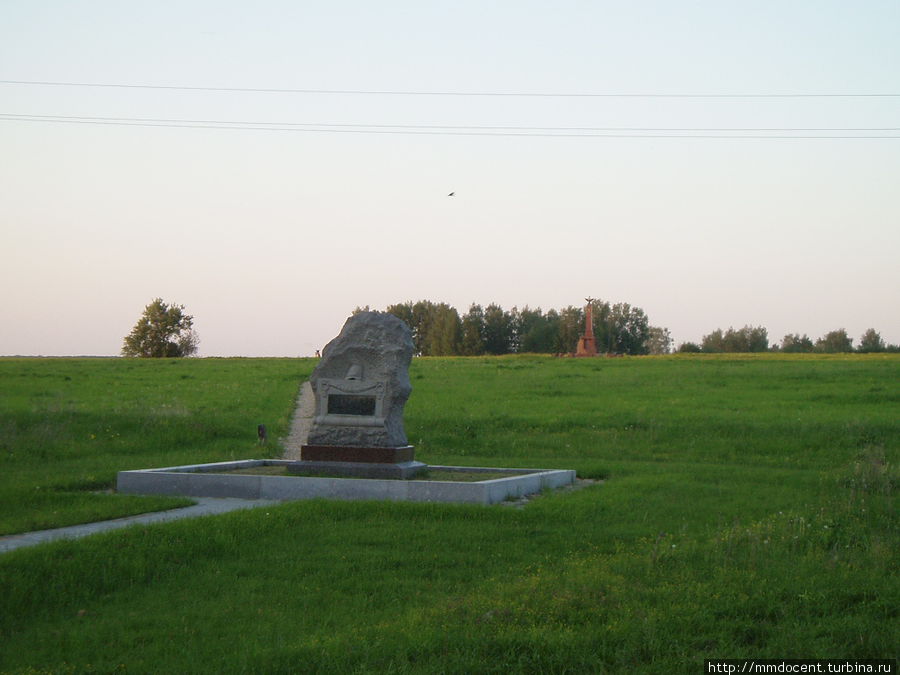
(357, 462)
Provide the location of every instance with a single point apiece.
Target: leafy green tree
(498, 330)
(871, 342)
(631, 329)
(404, 312)
(420, 317)
(747, 339)
(472, 343)
(444, 331)
(547, 336)
(754, 338)
(659, 341)
(835, 342)
(423, 321)
(535, 332)
(794, 344)
(524, 321)
(689, 348)
(604, 326)
(714, 342)
(162, 331)
(569, 329)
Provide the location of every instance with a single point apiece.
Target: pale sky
(271, 237)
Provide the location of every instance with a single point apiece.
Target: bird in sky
(451, 194)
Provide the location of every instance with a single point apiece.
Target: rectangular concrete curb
(205, 480)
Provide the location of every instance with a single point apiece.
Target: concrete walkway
(301, 422)
(205, 506)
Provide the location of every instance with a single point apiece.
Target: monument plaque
(348, 404)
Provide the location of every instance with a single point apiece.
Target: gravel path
(205, 506)
(300, 425)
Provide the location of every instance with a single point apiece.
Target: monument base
(357, 462)
(398, 470)
(220, 480)
(346, 453)
(586, 347)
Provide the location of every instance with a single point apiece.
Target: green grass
(749, 511)
(67, 426)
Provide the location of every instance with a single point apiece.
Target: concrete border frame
(212, 480)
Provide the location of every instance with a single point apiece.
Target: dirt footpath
(302, 421)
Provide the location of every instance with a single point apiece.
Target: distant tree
(550, 332)
(527, 325)
(631, 329)
(754, 338)
(444, 332)
(522, 321)
(569, 328)
(659, 340)
(162, 331)
(835, 342)
(689, 348)
(871, 342)
(535, 332)
(423, 313)
(747, 339)
(713, 342)
(472, 343)
(794, 344)
(435, 327)
(604, 326)
(404, 311)
(498, 330)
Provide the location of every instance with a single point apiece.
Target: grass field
(68, 425)
(749, 510)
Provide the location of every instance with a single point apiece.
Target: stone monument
(361, 386)
(586, 343)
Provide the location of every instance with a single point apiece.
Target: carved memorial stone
(361, 386)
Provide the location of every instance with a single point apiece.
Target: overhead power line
(393, 92)
(472, 130)
(250, 124)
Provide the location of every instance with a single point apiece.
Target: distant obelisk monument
(587, 346)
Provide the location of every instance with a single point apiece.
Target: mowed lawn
(748, 509)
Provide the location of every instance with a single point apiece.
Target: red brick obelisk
(586, 343)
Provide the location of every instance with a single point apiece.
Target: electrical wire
(391, 92)
(473, 130)
(251, 124)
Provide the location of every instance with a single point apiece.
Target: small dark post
(261, 433)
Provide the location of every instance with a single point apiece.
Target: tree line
(756, 339)
(165, 330)
(439, 330)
